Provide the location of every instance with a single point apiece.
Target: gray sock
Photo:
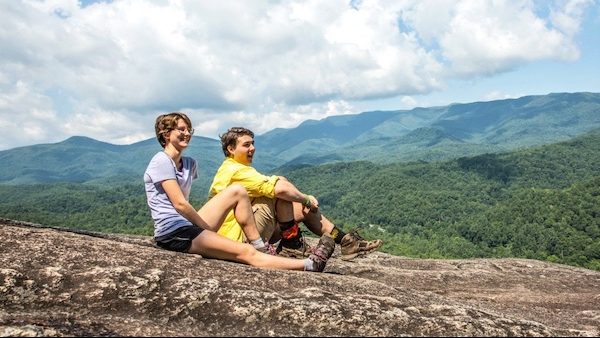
(309, 265)
(258, 243)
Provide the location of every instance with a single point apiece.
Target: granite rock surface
(59, 282)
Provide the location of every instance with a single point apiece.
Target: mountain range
(437, 133)
(419, 134)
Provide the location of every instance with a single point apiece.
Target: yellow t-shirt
(256, 185)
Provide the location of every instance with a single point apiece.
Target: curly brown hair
(167, 122)
(230, 137)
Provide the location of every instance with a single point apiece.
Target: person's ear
(230, 149)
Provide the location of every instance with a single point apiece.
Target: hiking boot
(321, 253)
(354, 245)
(296, 247)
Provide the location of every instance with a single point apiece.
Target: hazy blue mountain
(82, 159)
(447, 132)
(427, 134)
(77, 159)
(525, 121)
(422, 144)
(315, 137)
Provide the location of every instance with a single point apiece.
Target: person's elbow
(181, 206)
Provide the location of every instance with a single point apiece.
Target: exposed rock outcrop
(55, 282)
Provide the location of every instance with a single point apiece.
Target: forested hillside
(541, 203)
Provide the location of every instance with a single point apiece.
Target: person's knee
(238, 190)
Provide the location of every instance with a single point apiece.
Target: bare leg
(233, 197)
(284, 210)
(284, 213)
(213, 245)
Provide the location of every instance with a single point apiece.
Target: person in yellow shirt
(278, 205)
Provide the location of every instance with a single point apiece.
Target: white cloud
(408, 102)
(119, 127)
(568, 17)
(261, 63)
(281, 116)
(26, 117)
(487, 37)
(429, 18)
(497, 95)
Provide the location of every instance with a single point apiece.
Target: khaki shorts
(264, 216)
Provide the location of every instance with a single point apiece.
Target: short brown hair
(167, 122)
(230, 137)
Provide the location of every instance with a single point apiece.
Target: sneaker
(322, 252)
(354, 245)
(296, 247)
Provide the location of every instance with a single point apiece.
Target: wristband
(307, 203)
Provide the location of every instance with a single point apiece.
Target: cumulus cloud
(567, 15)
(26, 117)
(496, 95)
(261, 64)
(489, 37)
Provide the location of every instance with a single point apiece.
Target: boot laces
(354, 233)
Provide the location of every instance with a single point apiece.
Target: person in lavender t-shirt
(179, 227)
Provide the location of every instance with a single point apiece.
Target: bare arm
(285, 190)
(181, 204)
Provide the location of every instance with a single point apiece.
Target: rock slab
(58, 282)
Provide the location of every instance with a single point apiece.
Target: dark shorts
(179, 240)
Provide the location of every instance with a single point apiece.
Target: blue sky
(106, 69)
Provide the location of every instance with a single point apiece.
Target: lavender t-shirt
(161, 168)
